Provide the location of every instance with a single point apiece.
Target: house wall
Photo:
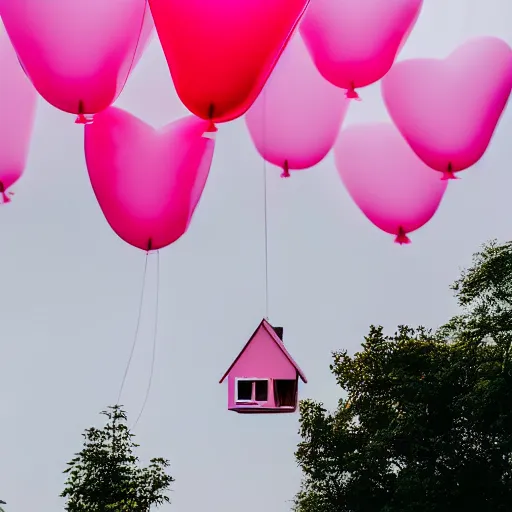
(261, 359)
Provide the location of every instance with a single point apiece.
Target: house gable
(264, 355)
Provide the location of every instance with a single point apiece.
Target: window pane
(261, 390)
(244, 390)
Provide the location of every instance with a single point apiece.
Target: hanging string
(137, 328)
(155, 336)
(265, 205)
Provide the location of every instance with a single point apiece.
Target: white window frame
(253, 392)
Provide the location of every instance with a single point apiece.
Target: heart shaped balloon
(295, 120)
(78, 54)
(448, 110)
(355, 42)
(147, 182)
(221, 52)
(390, 184)
(18, 100)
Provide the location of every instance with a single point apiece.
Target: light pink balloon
(18, 100)
(355, 42)
(295, 120)
(147, 182)
(78, 54)
(447, 110)
(389, 183)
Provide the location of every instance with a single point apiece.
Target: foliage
(105, 475)
(427, 422)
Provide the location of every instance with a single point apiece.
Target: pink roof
(279, 343)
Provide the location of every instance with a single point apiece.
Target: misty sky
(70, 290)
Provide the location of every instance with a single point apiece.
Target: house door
(285, 392)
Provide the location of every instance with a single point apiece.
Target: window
(251, 390)
(285, 393)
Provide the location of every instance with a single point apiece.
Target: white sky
(70, 290)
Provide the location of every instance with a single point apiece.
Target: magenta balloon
(18, 100)
(354, 42)
(389, 183)
(147, 182)
(447, 110)
(295, 120)
(77, 54)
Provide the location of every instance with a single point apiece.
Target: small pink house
(264, 378)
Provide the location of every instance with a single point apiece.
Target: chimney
(279, 332)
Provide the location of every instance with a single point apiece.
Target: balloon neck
(449, 174)
(352, 93)
(286, 170)
(83, 119)
(401, 237)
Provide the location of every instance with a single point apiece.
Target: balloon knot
(286, 170)
(352, 93)
(83, 119)
(449, 175)
(211, 127)
(401, 237)
(5, 198)
(4, 195)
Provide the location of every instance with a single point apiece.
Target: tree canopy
(105, 475)
(426, 424)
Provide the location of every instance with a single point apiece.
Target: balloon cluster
(230, 58)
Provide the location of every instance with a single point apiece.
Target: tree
(426, 424)
(105, 476)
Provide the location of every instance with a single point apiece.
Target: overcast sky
(70, 290)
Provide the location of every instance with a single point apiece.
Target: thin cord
(155, 336)
(265, 206)
(137, 328)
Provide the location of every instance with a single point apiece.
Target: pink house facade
(264, 378)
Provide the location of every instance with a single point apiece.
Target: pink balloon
(78, 54)
(221, 52)
(18, 101)
(355, 42)
(389, 183)
(295, 120)
(447, 110)
(147, 182)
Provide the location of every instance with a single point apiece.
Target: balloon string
(155, 337)
(265, 205)
(137, 328)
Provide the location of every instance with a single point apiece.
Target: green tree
(426, 422)
(105, 475)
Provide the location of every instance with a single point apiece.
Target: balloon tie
(352, 93)
(286, 170)
(448, 174)
(4, 195)
(401, 237)
(81, 118)
(211, 128)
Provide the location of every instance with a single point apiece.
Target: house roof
(278, 341)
